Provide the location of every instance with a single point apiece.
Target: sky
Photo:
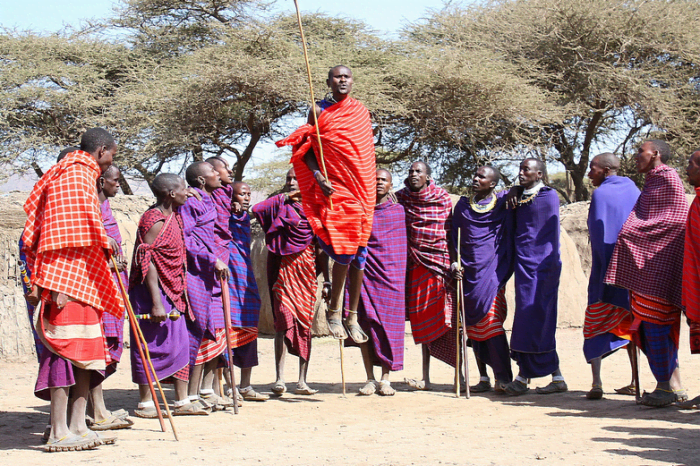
(49, 16)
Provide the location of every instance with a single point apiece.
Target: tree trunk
(126, 189)
(255, 135)
(580, 190)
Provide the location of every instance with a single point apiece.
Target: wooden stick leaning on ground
(635, 373)
(459, 266)
(229, 344)
(145, 358)
(460, 319)
(313, 100)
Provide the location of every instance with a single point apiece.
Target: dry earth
(409, 428)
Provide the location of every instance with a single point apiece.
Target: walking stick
(229, 344)
(313, 100)
(635, 373)
(457, 363)
(145, 358)
(460, 318)
(342, 366)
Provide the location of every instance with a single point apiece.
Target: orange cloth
(348, 151)
(64, 238)
(606, 318)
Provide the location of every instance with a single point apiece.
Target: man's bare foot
(335, 325)
(369, 388)
(418, 384)
(690, 404)
(385, 388)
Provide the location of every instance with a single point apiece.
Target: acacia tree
(614, 68)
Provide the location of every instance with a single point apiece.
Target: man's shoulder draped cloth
(64, 238)
(287, 231)
(486, 253)
(691, 263)
(428, 218)
(244, 295)
(348, 151)
(611, 204)
(167, 253)
(648, 255)
(113, 327)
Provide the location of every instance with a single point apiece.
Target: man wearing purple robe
(382, 308)
(537, 272)
(292, 265)
(608, 318)
(204, 270)
(485, 226)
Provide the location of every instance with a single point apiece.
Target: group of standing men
(394, 256)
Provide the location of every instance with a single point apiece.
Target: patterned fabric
(167, 254)
(648, 256)
(429, 303)
(654, 310)
(694, 337)
(382, 311)
(113, 327)
(64, 238)
(295, 288)
(30, 309)
(198, 219)
(209, 349)
(428, 221)
(222, 235)
(691, 266)
(348, 151)
(241, 336)
(492, 323)
(603, 318)
(660, 345)
(245, 299)
(74, 333)
(287, 231)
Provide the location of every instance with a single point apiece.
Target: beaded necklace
(476, 207)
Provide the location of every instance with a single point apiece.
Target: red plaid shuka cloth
(691, 273)
(606, 318)
(492, 323)
(167, 253)
(428, 222)
(657, 311)
(348, 151)
(64, 238)
(648, 255)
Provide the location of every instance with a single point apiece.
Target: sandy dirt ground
(421, 428)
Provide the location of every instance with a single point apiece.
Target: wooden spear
(225, 297)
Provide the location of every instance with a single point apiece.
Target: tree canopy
(489, 82)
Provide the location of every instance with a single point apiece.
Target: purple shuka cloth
(537, 272)
(55, 372)
(611, 204)
(286, 229)
(382, 311)
(113, 327)
(487, 253)
(245, 299)
(198, 219)
(167, 341)
(222, 234)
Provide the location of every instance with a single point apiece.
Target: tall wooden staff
(460, 321)
(145, 357)
(229, 344)
(313, 100)
(320, 151)
(635, 373)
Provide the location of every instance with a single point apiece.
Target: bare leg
(280, 356)
(367, 359)
(180, 390)
(303, 370)
(426, 365)
(195, 380)
(100, 411)
(209, 374)
(79, 395)
(675, 382)
(59, 413)
(630, 349)
(245, 377)
(595, 368)
(335, 312)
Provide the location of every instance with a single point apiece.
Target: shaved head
(337, 67)
(65, 152)
(95, 138)
(493, 173)
(163, 183)
(386, 173)
(608, 160)
(239, 184)
(216, 162)
(194, 171)
(662, 147)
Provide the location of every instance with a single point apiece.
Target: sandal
(385, 388)
(146, 413)
(417, 384)
(47, 434)
(112, 423)
(553, 387)
(481, 387)
(692, 404)
(251, 395)
(189, 409)
(218, 403)
(279, 388)
(369, 388)
(516, 388)
(681, 395)
(659, 398)
(335, 325)
(305, 390)
(101, 439)
(595, 393)
(499, 388)
(627, 390)
(70, 442)
(354, 330)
